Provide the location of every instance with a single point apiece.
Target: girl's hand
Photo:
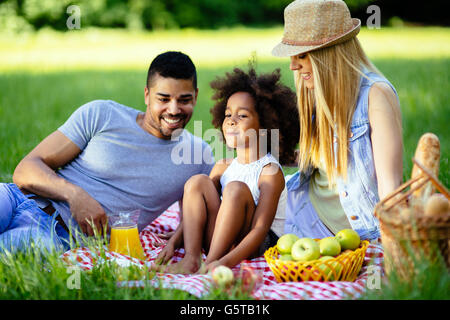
(210, 266)
(166, 253)
(166, 236)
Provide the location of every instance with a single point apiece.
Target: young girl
(237, 211)
(350, 149)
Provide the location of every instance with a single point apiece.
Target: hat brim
(287, 50)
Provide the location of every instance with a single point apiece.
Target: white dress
(249, 174)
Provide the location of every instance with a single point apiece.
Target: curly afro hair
(275, 104)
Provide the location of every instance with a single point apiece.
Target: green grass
(38, 274)
(427, 277)
(33, 105)
(120, 49)
(44, 77)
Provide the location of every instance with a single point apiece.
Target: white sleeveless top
(249, 174)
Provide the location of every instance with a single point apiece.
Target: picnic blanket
(200, 284)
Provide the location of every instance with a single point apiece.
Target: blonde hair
(336, 73)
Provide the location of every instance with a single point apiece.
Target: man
(106, 158)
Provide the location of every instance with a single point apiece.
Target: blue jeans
(23, 223)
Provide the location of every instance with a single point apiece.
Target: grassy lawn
(42, 275)
(44, 77)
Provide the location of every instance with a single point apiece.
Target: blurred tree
(45, 12)
(24, 15)
(203, 13)
(357, 4)
(155, 15)
(10, 19)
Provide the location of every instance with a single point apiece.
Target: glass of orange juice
(125, 235)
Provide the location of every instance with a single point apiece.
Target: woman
(350, 149)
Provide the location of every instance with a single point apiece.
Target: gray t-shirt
(124, 167)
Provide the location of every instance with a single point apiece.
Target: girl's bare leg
(200, 200)
(233, 220)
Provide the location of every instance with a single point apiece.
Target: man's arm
(36, 174)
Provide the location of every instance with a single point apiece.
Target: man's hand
(87, 212)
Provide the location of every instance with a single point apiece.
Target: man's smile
(173, 122)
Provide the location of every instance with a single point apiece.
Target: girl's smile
(240, 119)
(231, 133)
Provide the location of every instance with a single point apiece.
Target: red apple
(250, 278)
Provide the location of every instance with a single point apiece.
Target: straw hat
(314, 24)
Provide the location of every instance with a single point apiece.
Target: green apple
(326, 268)
(348, 239)
(222, 276)
(286, 257)
(284, 244)
(329, 246)
(305, 249)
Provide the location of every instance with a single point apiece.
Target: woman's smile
(306, 76)
(302, 64)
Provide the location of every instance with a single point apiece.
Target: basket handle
(434, 180)
(425, 176)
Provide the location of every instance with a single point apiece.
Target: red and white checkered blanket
(199, 285)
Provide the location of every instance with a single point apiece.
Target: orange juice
(125, 240)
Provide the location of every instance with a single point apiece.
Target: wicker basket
(344, 267)
(417, 236)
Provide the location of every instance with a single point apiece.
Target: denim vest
(359, 194)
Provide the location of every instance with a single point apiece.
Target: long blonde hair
(336, 72)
